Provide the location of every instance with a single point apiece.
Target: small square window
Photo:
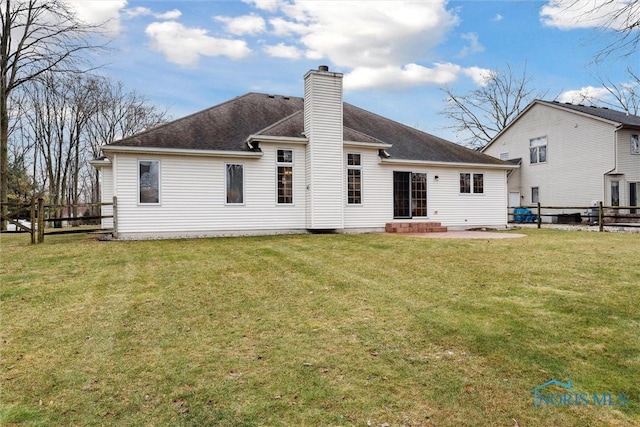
(285, 156)
(535, 196)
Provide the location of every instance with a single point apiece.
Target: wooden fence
(600, 215)
(33, 218)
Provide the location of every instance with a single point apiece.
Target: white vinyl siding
(444, 202)
(376, 208)
(580, 152)
(628, 164)
(324, 159)
(194, 200)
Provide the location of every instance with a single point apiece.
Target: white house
(266, 164)
(571, 155)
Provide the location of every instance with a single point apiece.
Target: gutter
(276, 139)
(181, 152)
(449, 164)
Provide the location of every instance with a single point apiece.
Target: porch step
(414, 227)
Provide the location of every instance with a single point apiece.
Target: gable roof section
(619, 117)
(614, 117)
(223, 127)
(228, 126)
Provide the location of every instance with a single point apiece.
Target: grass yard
(321, 330)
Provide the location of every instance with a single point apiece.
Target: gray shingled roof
(227, 127)
(627, 120)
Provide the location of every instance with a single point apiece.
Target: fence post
(40, 220)
(600, 216)
(115, 217)
(32, 219)
(539, 216)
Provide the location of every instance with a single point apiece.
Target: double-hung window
(538, 150)
(354, 179)
(471, 183)
(235, 183)
(284, 167)
(149, 182)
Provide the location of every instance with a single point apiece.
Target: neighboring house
(263, 164)
(571, 155)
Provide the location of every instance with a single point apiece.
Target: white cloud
(282, 27)
(498, 18)
(570, 14)
(474, 45)
(98, 12)
(247, 24)
(170, 15)
(137, 11)
(480, 76)
(184, 46)
(145, 11)
(392, 77)
(369, 34)
(588, 94)
(267, 5)
(282, 50)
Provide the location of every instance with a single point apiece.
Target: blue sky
(396, 56)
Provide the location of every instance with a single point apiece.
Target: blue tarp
(524, 215)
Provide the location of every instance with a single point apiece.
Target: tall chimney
(324, 158)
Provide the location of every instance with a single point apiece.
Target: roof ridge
(579, 107)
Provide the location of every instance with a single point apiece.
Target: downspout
(615, 162)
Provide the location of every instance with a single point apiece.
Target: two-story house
(571, 155)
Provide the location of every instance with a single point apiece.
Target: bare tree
(626, 95)
(624, 20)
(37, 36)
(618, 19)
(623, 96)
(119, 113)
(64, 121)
(482, 113)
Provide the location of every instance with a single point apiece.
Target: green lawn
(320, 330)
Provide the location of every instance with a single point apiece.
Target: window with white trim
(354, 179)
(535, 195)
(635, 144)
(538, 150)
(409, 194)
(149, 182)
(471, 183)
(615, 193)
(235, 183)
(284, 171)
